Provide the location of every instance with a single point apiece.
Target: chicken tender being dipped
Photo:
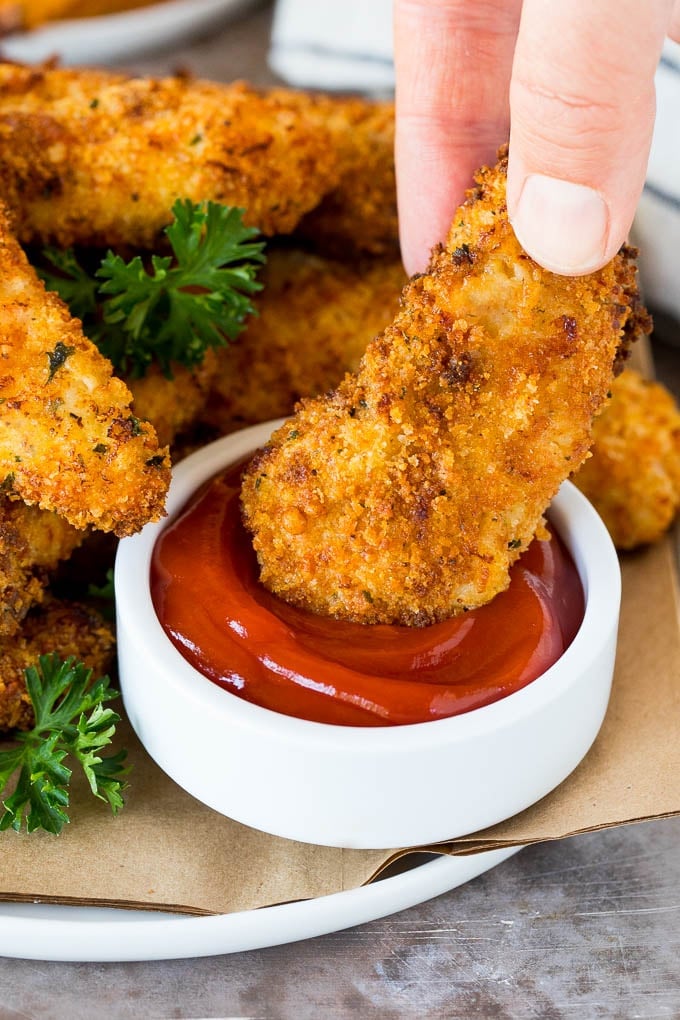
(405, 495)
(68, 440)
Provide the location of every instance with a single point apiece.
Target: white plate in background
(41, 931)
(119, 37)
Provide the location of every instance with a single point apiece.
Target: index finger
(453, 60)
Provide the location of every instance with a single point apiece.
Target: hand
(573, 85)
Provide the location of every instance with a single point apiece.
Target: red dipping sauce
(205, 589)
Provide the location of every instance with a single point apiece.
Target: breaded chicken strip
(314, 320)
(360, 213)
(406, 495)
(63, 627)
(68, 440)
(30, 14)
(32, 543)
(172, 405)
(633, 476)
(98, 159)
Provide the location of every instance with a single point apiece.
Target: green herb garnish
(57, 358)
(70, 719)
(194, 299)
(105, 595)
(73, 284)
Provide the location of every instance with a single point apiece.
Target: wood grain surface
(582, 928)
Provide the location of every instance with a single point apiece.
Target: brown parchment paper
(632, 772)
(167, 851)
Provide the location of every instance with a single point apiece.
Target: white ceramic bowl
(353, 786)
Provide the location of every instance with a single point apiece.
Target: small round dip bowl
(364, 787)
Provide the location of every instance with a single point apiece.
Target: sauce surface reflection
(205, 589)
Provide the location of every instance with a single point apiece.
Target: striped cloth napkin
(334, 44)
(656, 230)
(347, 45)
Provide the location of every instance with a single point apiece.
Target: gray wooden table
(585, 927)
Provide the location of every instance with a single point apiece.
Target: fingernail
(563, 226)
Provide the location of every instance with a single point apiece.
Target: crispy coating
(67, 628)
(32, 13)
(98, 159)
(360, 214)
(405, 496)
(68, 440)
(172, 405)
(633, 475)
(16, 15)
(32, 543)
(314, 320)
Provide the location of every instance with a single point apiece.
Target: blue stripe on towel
(669, 64)
(663, 196)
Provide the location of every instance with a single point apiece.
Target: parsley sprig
(196, 298)
(105, 595)
(70, 719)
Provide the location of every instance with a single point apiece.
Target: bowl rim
(574, 518)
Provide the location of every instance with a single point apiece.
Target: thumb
(582, 112)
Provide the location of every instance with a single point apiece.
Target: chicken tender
(66, 628)
(405, 496)
(172, 405)
(633, 475)
(30, 14)
(98, 159)
(360, 214)
(32, 543)
(68, 440)
(314, 320)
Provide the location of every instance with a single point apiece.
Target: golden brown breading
(314, 320)
(633, 476)
(68, 440)
(32, 543)
(16, 15)
(98, 159)
(37, 12)
(406, 495)
(360, 213)
(66, 628)
(173, 405)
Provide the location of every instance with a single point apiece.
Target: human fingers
(674, 26)
(582, 112)
(452, 61)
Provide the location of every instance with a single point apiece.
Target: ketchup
(205, 589)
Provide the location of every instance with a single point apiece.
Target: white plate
(118, 37)
(88, 934)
